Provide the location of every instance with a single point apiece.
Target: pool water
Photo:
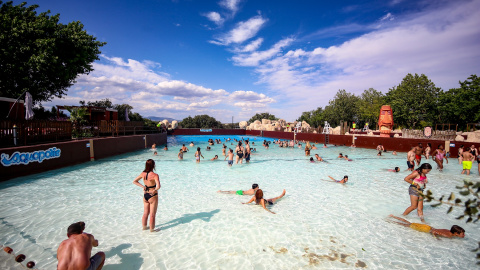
(319, 224)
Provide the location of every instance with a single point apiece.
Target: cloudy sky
(224, 58)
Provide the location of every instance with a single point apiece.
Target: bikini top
(147, 187)
(421, 180)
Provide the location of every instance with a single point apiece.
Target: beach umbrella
(126, 115)
(28, 106)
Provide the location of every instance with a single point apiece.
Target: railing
(27, 132)
(117, 128)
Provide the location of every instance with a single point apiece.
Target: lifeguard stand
(326, 131)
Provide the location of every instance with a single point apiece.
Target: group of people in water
(74, 253)
(466, 156)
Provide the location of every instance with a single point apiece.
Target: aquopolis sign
(18, 158)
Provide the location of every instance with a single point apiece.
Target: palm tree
(78, 117)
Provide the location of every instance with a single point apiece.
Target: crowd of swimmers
(75, 252)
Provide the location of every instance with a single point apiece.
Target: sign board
(205, 130)
(452, 145)
(24, 158)
(88, 145)
(427, 132)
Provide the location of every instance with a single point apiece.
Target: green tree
(106, 103)
(78, 117)
(260, 116)
(461, 105)
(314, 118)
(415, 99)
(121, 112)
(369, 106)
(200, 121)
(344, 107)
(41, 55)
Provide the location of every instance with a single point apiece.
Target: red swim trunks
(417, 157)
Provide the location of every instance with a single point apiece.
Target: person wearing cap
(75, 252)
(343, 181)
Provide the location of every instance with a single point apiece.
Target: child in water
(454, 231)
(343, 181)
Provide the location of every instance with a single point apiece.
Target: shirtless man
(230, 157)
(418, 153)
(241, 192)
(467, 161)
(318, 158)
(247, 151)
(184, 148)
(74, 253)
(380, 148)
(411, 159)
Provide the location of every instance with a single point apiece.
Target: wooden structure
(16, 109)
(95, 113)
(28, 132)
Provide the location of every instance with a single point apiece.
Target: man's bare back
(74, 253)
(467, 156)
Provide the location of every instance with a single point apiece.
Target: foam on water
(318, 223)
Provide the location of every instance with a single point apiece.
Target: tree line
(416, 103)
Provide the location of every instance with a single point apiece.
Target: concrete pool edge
(63, 154)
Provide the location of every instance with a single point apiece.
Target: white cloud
(231, 5)
(252, 46)
(242, 32)
(387, 17)
(152, 92)
(215, 17)
(441, 43)
(251, 97)
(254, 58)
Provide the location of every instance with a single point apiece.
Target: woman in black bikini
(150, 194)
(239, 151)
(258, 198)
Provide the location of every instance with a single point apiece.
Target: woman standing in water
(258, 198)
(417, 180)
(428, 149)
(438, 155)
(198, 154)
(150, 194)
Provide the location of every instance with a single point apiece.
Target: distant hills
(155, 118)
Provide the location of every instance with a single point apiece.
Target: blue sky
(175, 58)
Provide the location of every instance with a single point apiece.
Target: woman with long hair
(150, 194)
(417, 180)
(258, 198)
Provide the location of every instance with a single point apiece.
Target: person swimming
(343, 181)
(456, 230)
(396, 169)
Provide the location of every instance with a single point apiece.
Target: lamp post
(232, 123)
(15, 135)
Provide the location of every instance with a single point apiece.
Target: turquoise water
(319, 224)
